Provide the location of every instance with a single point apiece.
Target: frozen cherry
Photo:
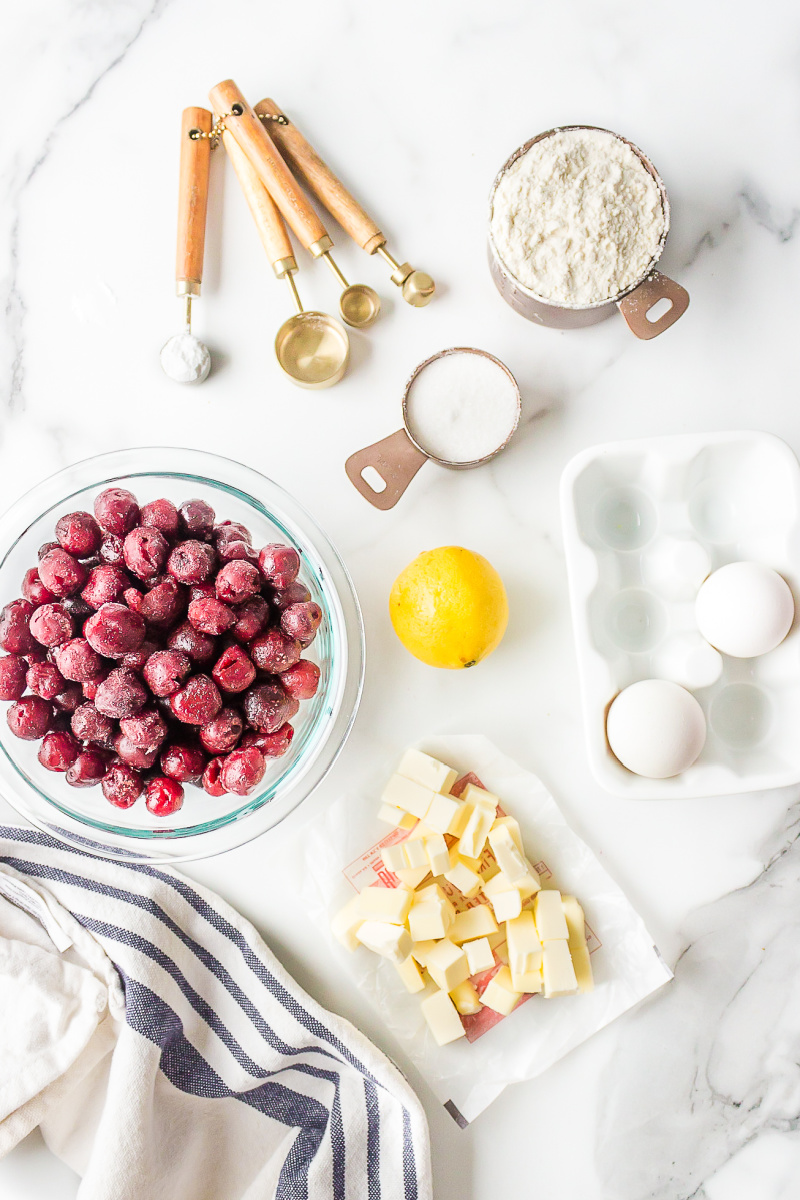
(211, 616)
(90, 725)
(12, 677)
(121, 785)
(34, 590)
(88, 769)
(166, 670)
(237, 581)
(148, 728)
(114, 630)
(163, 796)
(62, 574)
(163, 604)
(197, 519)
(145, 552)
(77, 660)
(301, 680)
(89, 688)
(46, 548)
(233, 671)
(121, 695)
(15, 633)
(183, 763)
(267, 706)
(79, 534)
(45, 680)
(30, 718)
(243, 771)
(104, 585)
(136, 659)
(191, 562)
(302, 621)
(271, 745)
(140, 757)
(117, 511)
(274, 652)
(231, 531)
(295, 593)
(58, 751)
(279, 565)
(212, 777)
(71, 697)
(161, 515)
(222, 732)
(230, 550)
(252, 618)
(197, 701)
(202, 591)
(77, 607)
(201, 647)
(112, 550)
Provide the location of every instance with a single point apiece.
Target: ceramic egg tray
(728, 497)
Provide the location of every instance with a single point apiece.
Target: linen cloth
(165, 1053)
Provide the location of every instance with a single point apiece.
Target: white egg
(656, 728)
(745, 609)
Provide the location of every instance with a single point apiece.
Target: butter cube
(476, 795)
(472, 923)
(437, 852)
(548, 912)
(429, 893)
(385, 904)
(443, 813)
(431, 914)
(466, 880)
(421, 950)
(476, 830)
(503, 897)
(411, 975)
(427, 771)
(579, 951)
(557, 969)
(459, 821)
(347, 922)
(394, 858)
(528, 981)
(529, 884)
(396, 817)
(500, 993)
(411, 797)
(442, 1017)
(513, 828)
(416, 855)
(447, 965)
(479, 955)
(509, 859)
(390, 941)
(412, 876)
(466, 999)
(524, 947)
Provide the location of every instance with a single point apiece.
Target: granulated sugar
(577, 218)
(461, 407)
(185, 359)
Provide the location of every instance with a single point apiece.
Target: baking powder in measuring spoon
(462, 407)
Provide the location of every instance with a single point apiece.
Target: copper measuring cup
(634, 302)
(397, 458)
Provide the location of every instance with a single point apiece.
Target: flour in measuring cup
(578, 218)
(461, 407)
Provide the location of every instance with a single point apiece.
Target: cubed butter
(347, 922)
(394, 858)
(513, 828)
(411, 975)
(415, 852)
(579, 951)
(412, 876)
(390, 941)
(528, 981)
(476, 795)
(504, 898)
(500, 993)
(463, 878)
(431, 914)
(438, 855)
(557, 969)
(427, 771)
(385, 904)
(510, 860)
(548, 913)
(472, 923)
(524, 947)
(421, 950)
(411, 797)
(447, 965)
(476, 830)
(392, 815)
(443, 813)
(442, 1017)
(479, 955)
(466, 999)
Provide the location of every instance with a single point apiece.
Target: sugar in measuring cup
(461, 407)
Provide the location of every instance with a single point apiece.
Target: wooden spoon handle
(269, 222)
(321, 180)
(192, 200)
(273, 172)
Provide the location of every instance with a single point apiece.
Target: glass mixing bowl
(204, 825)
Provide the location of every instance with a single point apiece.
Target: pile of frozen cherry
(159, 648)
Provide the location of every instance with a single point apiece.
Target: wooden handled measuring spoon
(358, 304)
(312, 348)
(184, 357)
(417, 286)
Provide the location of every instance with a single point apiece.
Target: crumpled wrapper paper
(343, 855)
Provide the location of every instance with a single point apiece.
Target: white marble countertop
(698, 1093)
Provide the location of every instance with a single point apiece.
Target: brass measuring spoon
(417, 287)
(312, 348)
(358, 304)
(184, 358)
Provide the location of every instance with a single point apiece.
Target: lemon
(449, 607)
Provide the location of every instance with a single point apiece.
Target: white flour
(461, 407)
(185, 359)
(578, 218)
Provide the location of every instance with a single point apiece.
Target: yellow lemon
(449, 607)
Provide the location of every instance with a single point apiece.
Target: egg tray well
(738, 496)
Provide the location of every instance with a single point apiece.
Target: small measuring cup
(397, 458)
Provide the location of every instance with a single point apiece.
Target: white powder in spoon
(461, 407)
(185, 359)
(578, 218)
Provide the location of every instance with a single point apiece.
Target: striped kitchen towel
(164, 1052)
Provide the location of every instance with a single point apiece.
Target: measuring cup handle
(192, 200)
(396, 460)
(638, 303)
